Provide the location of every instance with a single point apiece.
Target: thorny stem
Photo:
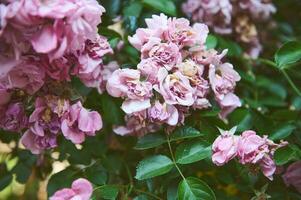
(173, 158)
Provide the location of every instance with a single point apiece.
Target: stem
(267, 62)
(173, 158)
(291, 82)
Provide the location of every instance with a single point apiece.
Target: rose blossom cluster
(43, 45)
(238, 18)
(176, 74)
(81, 189)
(249, 148)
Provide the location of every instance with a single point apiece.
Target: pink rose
(175, 88)
(81, 189)
(149, 69)
(258, 8)
(79, 122)
(268, 166)
(158, 24)
(163, 113)
(44, 119)
(14, 118)
(126, 83)
(90, 68)
(136, 124)
(140, 38)
(251, 147)
(58, 69)
(292, 175)
(223, 81)
(165, 55)
(27, 76)
(181, 33)
(224, 147)
(36, 143)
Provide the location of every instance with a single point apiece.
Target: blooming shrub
(45, 44)
(144, 99)
(176, 73)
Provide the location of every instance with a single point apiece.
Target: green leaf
(165, 6)
(192, 152)
(111, 110)
(233, 48)
(282, 132)
(194, 189)
(185, 132)
(62, 179)
(134, 9)
(149, 141)
(289, 53)
(285, 155)
(272, 86)
(108, 192)
(5, 181)
(296, 104)
(172, 192)
(242, 118)
(211, 42)
(96, 175)
(112, 7)
(153, 166)
(5, 176)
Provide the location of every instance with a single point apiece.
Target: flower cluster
(176, 73)
(249, 148)
(81, 189)
(234, 17)
(43, 46)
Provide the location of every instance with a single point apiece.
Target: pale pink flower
(223, 80)
(81, 189)
(292, 175)
(268, 166)
(163, 113)
(175, 88)
(164, 54)
(43, 119)
(90, 65)
(126, 83)
(225, 147)
(27, 76)
(79, 122)
(14, 118)
(251, 147)
(58, 69)
(259, 9)
(136, 124)
(149, 69)
(36, 143)
(140, 38)
(181, 33)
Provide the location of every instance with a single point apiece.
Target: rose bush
(165, 99)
